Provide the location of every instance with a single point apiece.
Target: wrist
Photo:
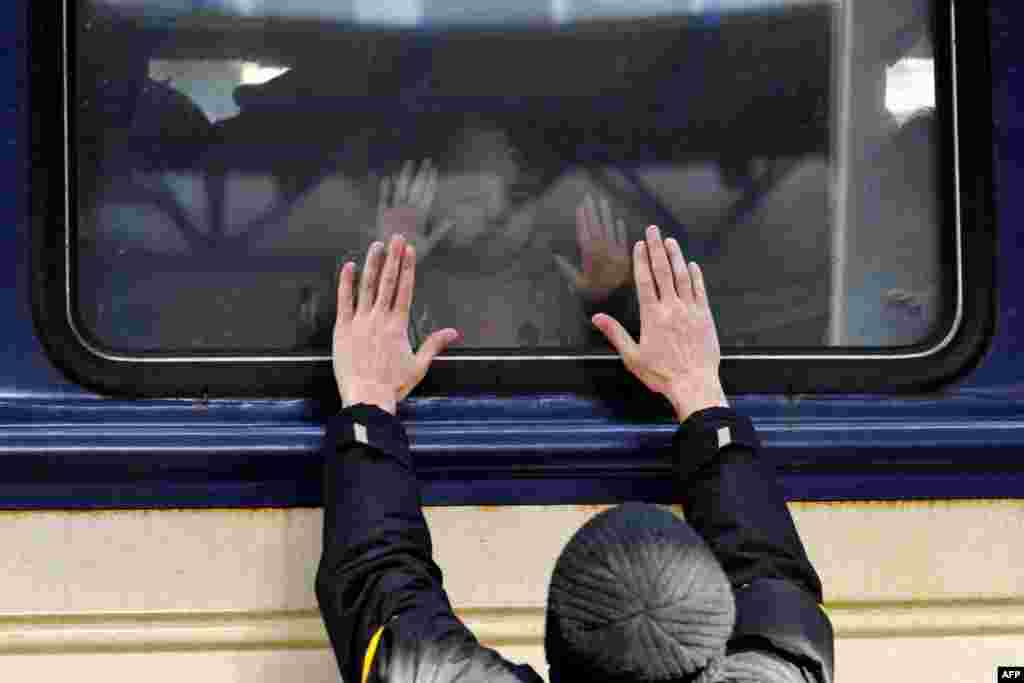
(373, 395)
(691, 398)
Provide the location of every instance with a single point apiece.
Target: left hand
(373, 361)
(602, 242)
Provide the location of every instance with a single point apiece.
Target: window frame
(965, 150)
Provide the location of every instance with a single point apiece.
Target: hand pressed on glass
(373, 360)
(405, 204)
(678, 354)
(603, 247)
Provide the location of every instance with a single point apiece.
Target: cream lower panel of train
(922, 591)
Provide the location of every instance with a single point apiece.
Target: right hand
(678, 354)
(404, 207)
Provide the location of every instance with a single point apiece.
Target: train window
(225, 157)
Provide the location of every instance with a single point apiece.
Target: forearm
(377, 570)
(371, 495)
(731, 497)
(376, 558)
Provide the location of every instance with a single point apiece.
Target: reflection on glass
(437, 13)
(211, 84)
(898, 265)
(227, 168)
(910, 87)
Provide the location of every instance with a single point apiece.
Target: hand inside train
(603, 249)
(404, 207)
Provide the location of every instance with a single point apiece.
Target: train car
(187, 176)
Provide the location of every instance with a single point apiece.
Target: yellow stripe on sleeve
(371, 650)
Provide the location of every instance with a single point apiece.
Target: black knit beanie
(636, 595)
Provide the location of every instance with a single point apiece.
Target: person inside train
(482, 223)
(637, 594)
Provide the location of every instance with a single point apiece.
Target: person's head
(637, 596)
(477, 173)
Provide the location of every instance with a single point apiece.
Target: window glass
(230, 155)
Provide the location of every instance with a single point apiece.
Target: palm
(371, 354)
(605, 265)
(604, 253)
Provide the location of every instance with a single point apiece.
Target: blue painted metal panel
(25, 370)
(1003, 374)
(61, 446)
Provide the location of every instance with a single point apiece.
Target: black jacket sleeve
(732, 499)
(376, 569)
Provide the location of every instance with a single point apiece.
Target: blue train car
(187, 177)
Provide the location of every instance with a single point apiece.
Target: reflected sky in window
(411, 13)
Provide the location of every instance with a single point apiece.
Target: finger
(385, 194)
(679, 270)
(345, 292)
(595, 233)
(408, 176)
(410, 188)
(403, 183)
(615, 333)
(573, 276)
(367, 284)
(700, 292)
(417, 186)
(434, 345)
(430, 187)
(643, 277)
(659, 264)
(581, 225)
(389, 276)
(582, 237)
(591, 211)
(607, 220)
(439, 234)
(425, 178)
(406, 282)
